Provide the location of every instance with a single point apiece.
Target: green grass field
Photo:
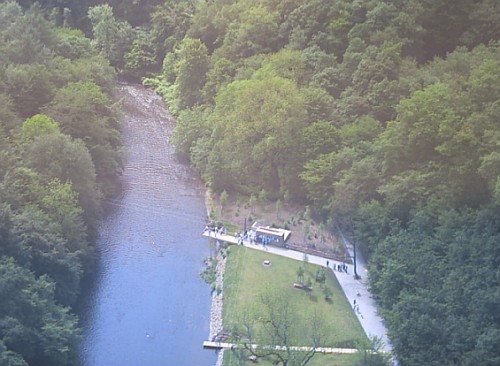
(247, 280)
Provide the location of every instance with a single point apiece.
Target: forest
(382, 116)
(59, 158)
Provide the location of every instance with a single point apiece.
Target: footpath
(356, 290)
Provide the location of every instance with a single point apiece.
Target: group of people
(244, 236)
(341, 267)
(215, 229)
(338, 267)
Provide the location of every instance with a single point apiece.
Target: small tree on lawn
(321, 275)
(327, 292)
(300, 275)
(272, 334)
(306, 262)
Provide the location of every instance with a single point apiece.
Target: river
(149, 305)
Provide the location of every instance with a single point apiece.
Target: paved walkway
(368, 316)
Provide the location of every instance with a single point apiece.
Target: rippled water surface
(149, 306)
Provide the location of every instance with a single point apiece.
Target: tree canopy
(59, 156)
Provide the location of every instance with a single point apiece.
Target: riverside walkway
(368, 316)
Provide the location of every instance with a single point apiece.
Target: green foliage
(112, 37)
(209, 273)
(141, 59)
(191, 127)
(29, 86)
(33, 327)
(169, 23)
(427, 278)
(264, 118)
(72, 44)
(320, 276)
(85, 112)
(191, 68)
(255, 31)
(28, 35)
(59, 156)
(49, 197)
(38, 125)
(8, 118)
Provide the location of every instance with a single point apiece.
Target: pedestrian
(328, 263)
(354, 301)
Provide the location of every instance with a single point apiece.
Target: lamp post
(356, 276)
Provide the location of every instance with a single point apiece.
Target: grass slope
(246, 279)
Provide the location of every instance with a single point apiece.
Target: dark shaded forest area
(382, 116)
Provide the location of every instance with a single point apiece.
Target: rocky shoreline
(216, 320)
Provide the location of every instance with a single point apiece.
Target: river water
(149, 305)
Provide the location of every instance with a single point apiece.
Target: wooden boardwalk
(223, 345)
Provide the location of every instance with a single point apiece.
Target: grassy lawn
(247, 279)
(230, 359)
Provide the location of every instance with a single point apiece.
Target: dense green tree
(141, 59)
(320, 138)
(136, 12)
(29, 35)
(59, 156)
(265, 119)
(48, 252)
(191, 126)
(48, 190)
(112, 37)
(255, 32)
(186, 68)
(219, 74)
(30, 87)
(169, 24)
(32, 325)
(72, 44)
(438, 284)
(83, 111)
(60, 203)
(10, 358)
(38, 125)
(8, 118)
(319, 23)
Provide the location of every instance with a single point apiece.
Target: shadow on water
(146, 303)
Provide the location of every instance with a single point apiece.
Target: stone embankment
(216, 321)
